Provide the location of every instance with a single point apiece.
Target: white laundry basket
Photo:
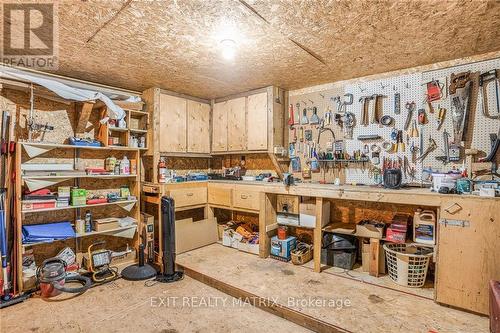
(407, 263)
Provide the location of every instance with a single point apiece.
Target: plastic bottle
(125, 166)
(162, 171)
(424, 227)
(88, 221)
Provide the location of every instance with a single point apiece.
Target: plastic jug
(424, 227)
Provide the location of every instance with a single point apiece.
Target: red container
(395, 236)
(47, 289)
(282, 232)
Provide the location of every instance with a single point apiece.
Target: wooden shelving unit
(137, 125)
(88, 154)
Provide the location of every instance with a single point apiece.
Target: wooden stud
(318, 235)
(83, 110)
(374, 257)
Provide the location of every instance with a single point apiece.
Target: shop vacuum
(52, 278)
(144, 271)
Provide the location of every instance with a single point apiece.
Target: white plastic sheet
(63, 90)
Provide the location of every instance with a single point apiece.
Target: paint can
(282, 232)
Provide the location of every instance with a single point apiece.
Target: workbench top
(338, 191)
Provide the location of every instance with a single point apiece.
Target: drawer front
(287, 204)
(189, 196)
(219, 195)
(246, 199)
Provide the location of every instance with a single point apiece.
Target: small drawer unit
(189, 196)
(246, 199)
(287, 204)
(219, 194)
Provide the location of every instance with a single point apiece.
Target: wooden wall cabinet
(219, 126)
(257, 122)
(250, 122)
(198, 127)
(173, 124)
(180, 123)
(236, 124)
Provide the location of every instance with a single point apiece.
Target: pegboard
(480, 126)
(411, 88)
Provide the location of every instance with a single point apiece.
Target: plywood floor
(357, 273)
(123, 306)
(371, 308)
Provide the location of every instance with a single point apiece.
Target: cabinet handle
(453, 208)
(244, 196)
(190, 194)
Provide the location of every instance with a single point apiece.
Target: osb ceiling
(293, 44)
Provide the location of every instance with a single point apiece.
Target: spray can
(88, 221)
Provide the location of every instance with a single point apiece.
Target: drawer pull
(244, 196)
(190, 194)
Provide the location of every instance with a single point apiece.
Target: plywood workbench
(466, 255)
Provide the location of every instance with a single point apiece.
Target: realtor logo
(30, 35)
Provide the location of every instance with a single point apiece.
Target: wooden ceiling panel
(294, 44)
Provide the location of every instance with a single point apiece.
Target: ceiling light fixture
(228, 48)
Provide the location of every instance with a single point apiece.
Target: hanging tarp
(63, 90)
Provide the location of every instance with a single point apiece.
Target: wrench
(410, 107)
(430, 148)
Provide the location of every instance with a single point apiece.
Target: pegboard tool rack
(411, 88)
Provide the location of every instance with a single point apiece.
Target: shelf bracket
(36, 184)
(33, 150)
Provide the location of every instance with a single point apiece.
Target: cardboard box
(78, 197)
(307, 216)
(287, 219)
(395, 236)
(38, 204)
(244, 246)
(231, 238)
(220, 230)
(283, 248)
(109, 223)
(369, 230)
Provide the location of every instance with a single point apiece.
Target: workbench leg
(267, 216)
(318, 235)
(374, 257)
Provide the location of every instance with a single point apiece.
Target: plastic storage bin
(339, 250)
(407, 264)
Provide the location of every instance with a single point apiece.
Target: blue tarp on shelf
(47, 232)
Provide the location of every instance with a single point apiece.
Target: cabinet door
(198, 134)
(219, 126)
(257, 122)
(236, 124)
(468, 256)
(172, 124)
